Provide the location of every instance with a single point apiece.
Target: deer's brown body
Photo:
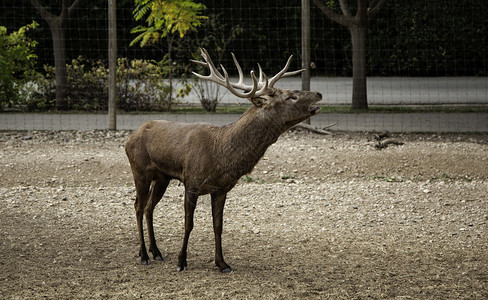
(208, 159)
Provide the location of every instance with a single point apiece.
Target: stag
(210, 159)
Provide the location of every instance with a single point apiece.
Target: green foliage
(164, 18)
(429, 38)
(448, 38)
(17, 62)
(140, 87)
(167, 19)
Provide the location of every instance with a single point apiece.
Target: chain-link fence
(426, 64)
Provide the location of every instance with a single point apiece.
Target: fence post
(112, 64)
(306, 47)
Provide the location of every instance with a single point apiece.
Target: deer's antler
(258, 88)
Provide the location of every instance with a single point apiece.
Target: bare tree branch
(373, 3)
(47, 16)
(73, 7)
(362, 8)
(382, 145)
(63, 16)
(345, 8)
(339, 19)
(313, 129)
(375, 8)
(65, 11)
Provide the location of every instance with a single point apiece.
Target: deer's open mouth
(314, 110)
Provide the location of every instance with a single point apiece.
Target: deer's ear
(259, 101)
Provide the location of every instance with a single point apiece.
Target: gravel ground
(319, 217)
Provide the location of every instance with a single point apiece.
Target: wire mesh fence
(426, 64)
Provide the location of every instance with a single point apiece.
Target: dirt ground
(319, 217)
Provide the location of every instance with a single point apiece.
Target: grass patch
(222, 109)
(346, 109)
(406, 109)
(324, 109)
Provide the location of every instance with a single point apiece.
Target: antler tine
(241, 75)
(214, 73)
(258, 88)
(282, 73)
(201, 63)
(256, 83)
(230, 86)
(261, 76)
(216, 76)
(260, 73)
(287, 74)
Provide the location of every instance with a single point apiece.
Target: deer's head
(284, 107)
(288, 107)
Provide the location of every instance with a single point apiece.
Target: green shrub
(140, 87)
(17, 61)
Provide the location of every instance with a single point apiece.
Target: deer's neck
(246, 140)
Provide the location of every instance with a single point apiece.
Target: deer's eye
(292, 98)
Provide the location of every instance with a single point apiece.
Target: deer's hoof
(182, 264)
(156, 254)
(159, 258)
(227, 270)
(144, 257)
(179, 269)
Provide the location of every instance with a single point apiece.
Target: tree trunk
(306, 48)
(358, 27)
(112, 65)
(59, 49)
(359, 32)
(57, 24)
(170, 75)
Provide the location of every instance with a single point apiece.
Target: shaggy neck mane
(245, 141)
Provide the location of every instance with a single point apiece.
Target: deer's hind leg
(158, 188)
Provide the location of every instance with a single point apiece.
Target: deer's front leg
(218, 202)
(157, 192)
(190, 205)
